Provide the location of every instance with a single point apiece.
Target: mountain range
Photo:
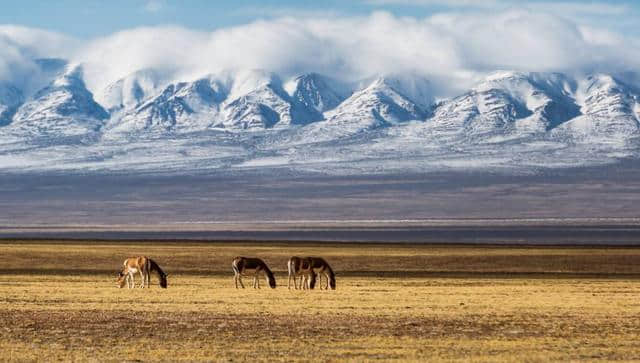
(255, 119)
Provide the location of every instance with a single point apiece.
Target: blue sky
(92, 18)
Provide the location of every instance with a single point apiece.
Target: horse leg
(132, 280)
(148, 274)
(142, 278)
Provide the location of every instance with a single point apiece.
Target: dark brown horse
(322, 267)
(251, 266)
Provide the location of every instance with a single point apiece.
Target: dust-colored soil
(60, 302)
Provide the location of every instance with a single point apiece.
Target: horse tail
(161, 274)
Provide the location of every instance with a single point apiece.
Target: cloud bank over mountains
(452, 49)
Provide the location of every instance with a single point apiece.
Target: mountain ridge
(232, 117)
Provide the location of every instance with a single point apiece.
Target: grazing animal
(252, 266)
(144, 266)
(298, 266)
(320, 265)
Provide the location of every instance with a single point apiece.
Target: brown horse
(322, 267)
(144, 266)
(298, 266)
(251, 266)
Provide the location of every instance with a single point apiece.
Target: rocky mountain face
(609, 111)
(10, 99)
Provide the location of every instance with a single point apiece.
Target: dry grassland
(59, 301)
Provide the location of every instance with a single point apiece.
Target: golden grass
(57, 308)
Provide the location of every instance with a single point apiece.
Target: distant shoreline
(530, 231)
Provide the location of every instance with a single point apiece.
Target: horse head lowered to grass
(143, 266)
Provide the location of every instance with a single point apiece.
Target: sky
(450, 41)
(92, 18)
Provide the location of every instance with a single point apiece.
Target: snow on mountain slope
(10, 98)
(609, 112)
(380, 104)
(252, 100)
(251, 119)
(258, 101)
(377, 105)
(412, 86)
(318, 92)
(509, 103)
(184, 106)
(63, 108)
(129, 92)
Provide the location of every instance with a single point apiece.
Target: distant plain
(583, 205)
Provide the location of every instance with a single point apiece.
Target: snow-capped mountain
(609, 111)
(129, 92)
(258, 101)
(510, 103)
(377, 105)
(64, 107)
(242, 117)
(184, 106)
(318, 92)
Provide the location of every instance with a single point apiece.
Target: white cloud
(37, 42)
(558, 7)
(580, 8)
(20, 46)
(451, 48)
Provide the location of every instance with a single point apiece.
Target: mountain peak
(64, 107)
(247, 81)
(131, 90)
(317, 92)
(411, 85)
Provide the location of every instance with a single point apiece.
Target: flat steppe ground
(59, 301)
